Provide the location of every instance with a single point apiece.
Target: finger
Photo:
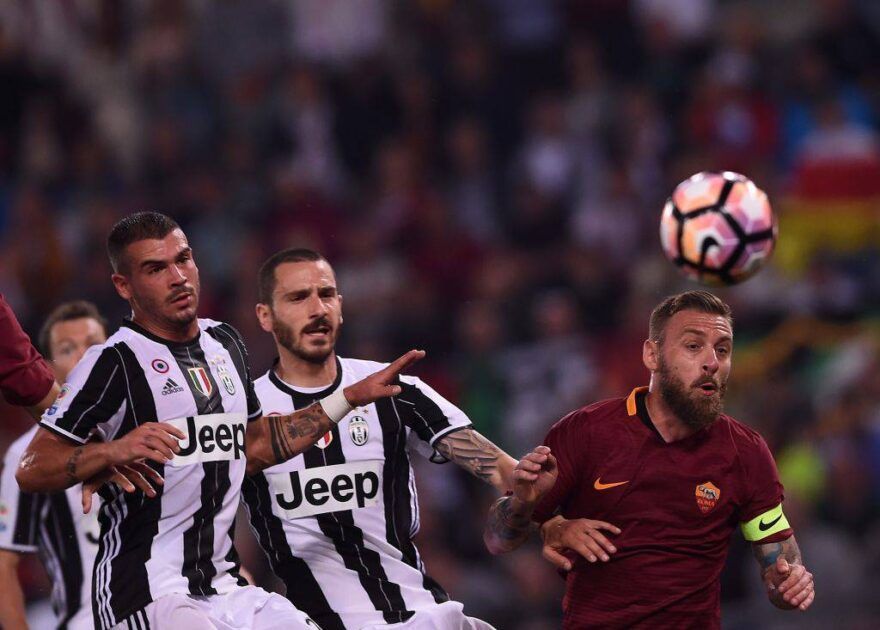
(170, 428)
(550, 465)
(782, 565)
(87, 499)
(606, 544)
(147, 471)
(806, 603)
(543, 450)
(614, 529)
(797, 598)
(797, 585)
(400, 364)
(529, 465)
(795, 574)
(524, 475)
(141, 483)
(555, 558)
(122, 481)
(594, 547)
(393, 390)
(158, 445)
(582, 548)
(150, 454)
(168, 440)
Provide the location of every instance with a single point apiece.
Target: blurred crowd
(486, 178)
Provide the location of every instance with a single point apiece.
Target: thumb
(782, 565)
(86, 500)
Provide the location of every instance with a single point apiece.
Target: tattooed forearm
(72, 462)
(508, 525)
(278, 439)
(310, 423)
(275, 439)
(768, 553)
(477, 455)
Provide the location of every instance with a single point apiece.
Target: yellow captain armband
(766, 524)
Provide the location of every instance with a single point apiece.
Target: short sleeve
(426, 412)
(761, 511)
(92, 400)
(566, 442)
(25, 378)
(19, 511)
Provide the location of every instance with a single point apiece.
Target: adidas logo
(171, 387)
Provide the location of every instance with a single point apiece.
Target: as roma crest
(707, 494)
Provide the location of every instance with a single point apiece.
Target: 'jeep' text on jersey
(180, 541)
(337, 521)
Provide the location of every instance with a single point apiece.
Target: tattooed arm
(275, 439)
(789, 584)
(480, 457)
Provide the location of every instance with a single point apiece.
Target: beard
(287, 339)
(696, 410)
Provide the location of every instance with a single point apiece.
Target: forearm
(508, 526)
(479, 456)
(767, 555)
(12, 611)
(37, 410)
(49, 465)
(275, 439)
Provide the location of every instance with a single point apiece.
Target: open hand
(581, 535)
(129, 477)
(381, 384)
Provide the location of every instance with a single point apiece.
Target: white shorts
(247, 607)
(448, 616)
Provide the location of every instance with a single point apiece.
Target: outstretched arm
(479, 456)
(12, 613)
(275, 439)
(789, 584)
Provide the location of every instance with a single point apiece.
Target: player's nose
(710, 363)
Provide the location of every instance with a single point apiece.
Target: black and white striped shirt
(181, 540)
(54, 526)
(337, 522)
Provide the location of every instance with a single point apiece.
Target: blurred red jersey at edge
(25, 378)
(676, 503)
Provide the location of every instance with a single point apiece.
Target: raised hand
(581, 535)
(789, 585)
(381, 383)
(534, 475)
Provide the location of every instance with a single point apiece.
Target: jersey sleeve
(25, 378)
(92, 400)
(567, 441)
(254, 409)
(19, 511)
(761, 517)
(427, 413)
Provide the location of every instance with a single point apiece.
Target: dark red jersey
(676, 503)
(25, 378)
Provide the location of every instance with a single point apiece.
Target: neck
(668, 425)
(181, 332)
(299, 372)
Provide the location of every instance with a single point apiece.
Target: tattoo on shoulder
(472, 451)
(72, 462)
(768, 553)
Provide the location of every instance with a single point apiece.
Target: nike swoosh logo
(765, 526)
(598, 485)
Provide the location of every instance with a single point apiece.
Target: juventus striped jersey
(337, 521)
(181, 540)
(54, 526)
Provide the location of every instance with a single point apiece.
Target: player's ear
(650, 354)
(339, 296)
(264, 316)
(122, 286)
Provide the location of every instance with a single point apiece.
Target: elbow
(26, 479)
(493, 545)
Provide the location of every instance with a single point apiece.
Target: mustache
(321, 322)
(181, 292)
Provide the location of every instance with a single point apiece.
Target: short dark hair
(65, 312)
(701, 301)
(266, 281)
(133, 228)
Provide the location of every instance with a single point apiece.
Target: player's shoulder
(211, 325)
(360, 368)
(743, 437)
(594, 414)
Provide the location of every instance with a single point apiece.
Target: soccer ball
(718, 228)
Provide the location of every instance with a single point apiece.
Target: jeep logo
(328, 488)
(210, 438)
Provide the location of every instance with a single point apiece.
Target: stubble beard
(695, 410)
(284, 335)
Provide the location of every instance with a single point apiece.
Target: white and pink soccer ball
(718, 228)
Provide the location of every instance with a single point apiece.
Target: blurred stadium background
(486, 178)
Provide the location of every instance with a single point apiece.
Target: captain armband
(770, 522)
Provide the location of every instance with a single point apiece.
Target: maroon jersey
(25, 379)
(676, 503)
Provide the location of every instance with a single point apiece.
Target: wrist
(336, 405)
